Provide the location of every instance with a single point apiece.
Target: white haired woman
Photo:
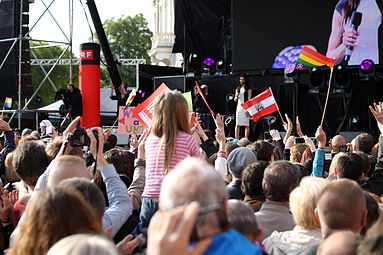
(303, 201)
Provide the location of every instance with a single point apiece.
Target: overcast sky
(47, 29)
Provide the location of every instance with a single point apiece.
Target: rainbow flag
(132, 95)
(8, 102)
(311, 58)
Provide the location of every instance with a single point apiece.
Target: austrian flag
(261, 105)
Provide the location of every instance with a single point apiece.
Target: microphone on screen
(356, 19)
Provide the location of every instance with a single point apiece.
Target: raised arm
(138, 184)
(319, 154)
(120, 204)
(375, 183)
(9, 144)
(221, 161)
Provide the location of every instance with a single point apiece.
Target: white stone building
(163, 38)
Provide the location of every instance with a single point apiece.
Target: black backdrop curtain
(198, 26)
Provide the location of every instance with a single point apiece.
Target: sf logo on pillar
(86, 55)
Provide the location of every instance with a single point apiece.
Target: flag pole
(283, 121)
(328, 93)
(204, 99)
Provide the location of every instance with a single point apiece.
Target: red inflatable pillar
(89, 84)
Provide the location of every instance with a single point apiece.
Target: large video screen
(271, 33)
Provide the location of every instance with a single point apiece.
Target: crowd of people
(180, 189)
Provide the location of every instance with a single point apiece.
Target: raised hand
(275, 135)
(93, 145)
(310, 143)
(220, 133)
(377, 112)
(141, 145)
(289, 125)
(169, 233)
(127, 245)
(298, 125)
(290, 142)
(320, 135)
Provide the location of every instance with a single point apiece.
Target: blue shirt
(231, 242)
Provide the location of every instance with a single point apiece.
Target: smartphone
(49, 130)
(299, 140)
(9, 187)
(267, 136)
(344, 148)
(201, 219)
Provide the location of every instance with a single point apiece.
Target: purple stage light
(366, 64)
(208, 61)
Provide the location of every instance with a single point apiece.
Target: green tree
(59, 75)
(128, 37)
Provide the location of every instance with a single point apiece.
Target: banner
(144, 111)
(128, 124)
(188, 98)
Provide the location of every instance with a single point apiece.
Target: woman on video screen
(364, 41)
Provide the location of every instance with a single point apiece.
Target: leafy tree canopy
(128, 37)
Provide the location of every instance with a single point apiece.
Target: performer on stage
(242, 94)
(365, 41)
(202, 112)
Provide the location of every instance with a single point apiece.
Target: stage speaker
(173, 82)
(10, 28)
(8, 73)
(349, 135)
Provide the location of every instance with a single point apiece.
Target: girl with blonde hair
(169, 142)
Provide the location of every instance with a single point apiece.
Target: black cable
(87, 20)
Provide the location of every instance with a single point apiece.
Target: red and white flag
(261, 105)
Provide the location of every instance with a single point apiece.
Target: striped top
(185, 146)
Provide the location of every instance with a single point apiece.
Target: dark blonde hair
(52, 215)
(53, 147)
(297, 151)
(27, 138)
(170, 117)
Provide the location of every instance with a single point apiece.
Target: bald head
(340, 243)
(66, 167)
(341, 206)
(192, 180)
(336, 142)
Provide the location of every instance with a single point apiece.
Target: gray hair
(241, 217)
(192, 180)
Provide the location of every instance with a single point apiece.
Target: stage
(349, 98)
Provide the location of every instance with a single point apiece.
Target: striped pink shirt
(185, 146)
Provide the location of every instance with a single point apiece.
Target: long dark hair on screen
(349, 7)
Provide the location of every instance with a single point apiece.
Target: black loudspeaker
(349, 135)
(10, 28)
(8, 73)
(173, 82)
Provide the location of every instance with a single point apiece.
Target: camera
(79, 137)
(59, 93)
(299, 140)
(344, 148)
